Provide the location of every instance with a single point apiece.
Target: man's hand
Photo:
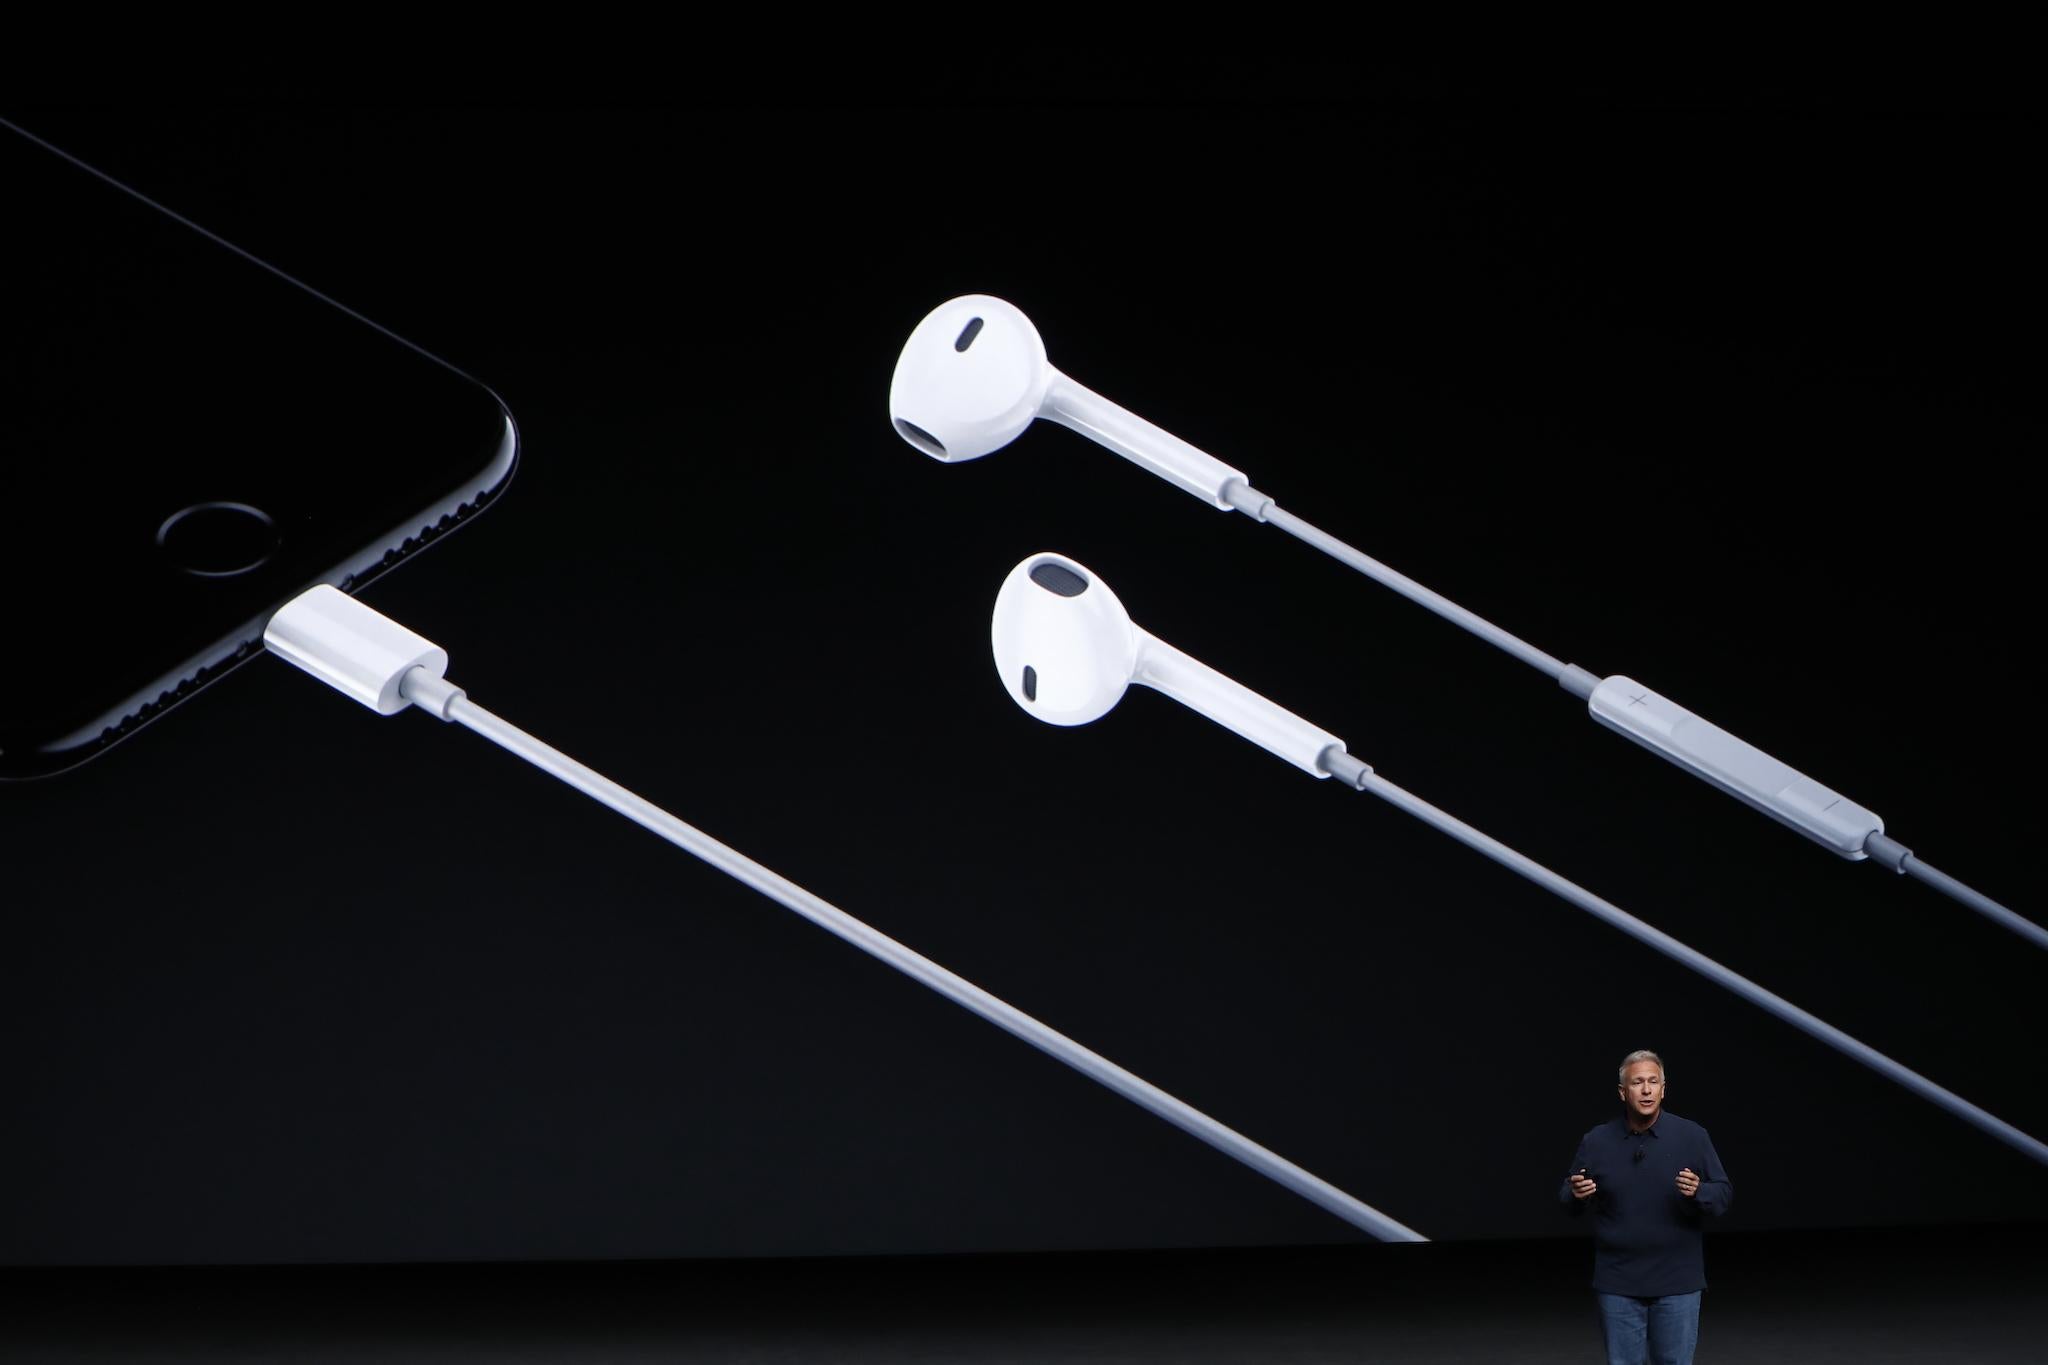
(1688, 1183)
(1583, 1188)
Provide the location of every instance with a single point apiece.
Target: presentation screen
(1723, 408)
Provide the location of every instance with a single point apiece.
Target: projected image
(295, 980)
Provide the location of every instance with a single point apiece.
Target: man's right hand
(1582, 1188)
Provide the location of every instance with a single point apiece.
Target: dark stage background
(1728, 400)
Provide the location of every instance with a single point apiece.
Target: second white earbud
(1066, 649)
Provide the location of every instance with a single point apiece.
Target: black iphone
(188, 439)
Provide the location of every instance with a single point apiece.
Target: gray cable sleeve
(451, 704)
(1578, 682)
(1889, 852)
(1408, 587)
(1350, 770)
(1976, 900)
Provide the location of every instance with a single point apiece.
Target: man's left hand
(1688, 1183)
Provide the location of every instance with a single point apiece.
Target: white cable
(386, 667)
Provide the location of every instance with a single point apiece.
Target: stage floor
(1950, 1295)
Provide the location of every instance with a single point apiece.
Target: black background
(1726, 398)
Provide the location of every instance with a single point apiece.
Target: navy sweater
(1646, 1234)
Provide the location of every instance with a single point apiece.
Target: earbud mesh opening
(1058, 578)
(920, 438)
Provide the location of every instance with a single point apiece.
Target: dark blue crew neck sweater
(1646, 1234)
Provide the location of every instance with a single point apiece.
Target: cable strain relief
(1347, 769)
(430, 692)
(1244, 498)
(1578, 682)
(1887, 852)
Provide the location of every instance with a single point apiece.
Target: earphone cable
(1354, 558)
(915, 965)
(1582, 684)
(363, 654)
(1354, 773)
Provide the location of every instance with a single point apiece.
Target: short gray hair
(1641, 1055)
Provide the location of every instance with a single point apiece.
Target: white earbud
(974, 375)
(1066, 649)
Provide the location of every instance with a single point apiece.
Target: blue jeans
(1650, 1331)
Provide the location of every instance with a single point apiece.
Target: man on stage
(1650, 1178)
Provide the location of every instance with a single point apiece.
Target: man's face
(1642, 1090)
